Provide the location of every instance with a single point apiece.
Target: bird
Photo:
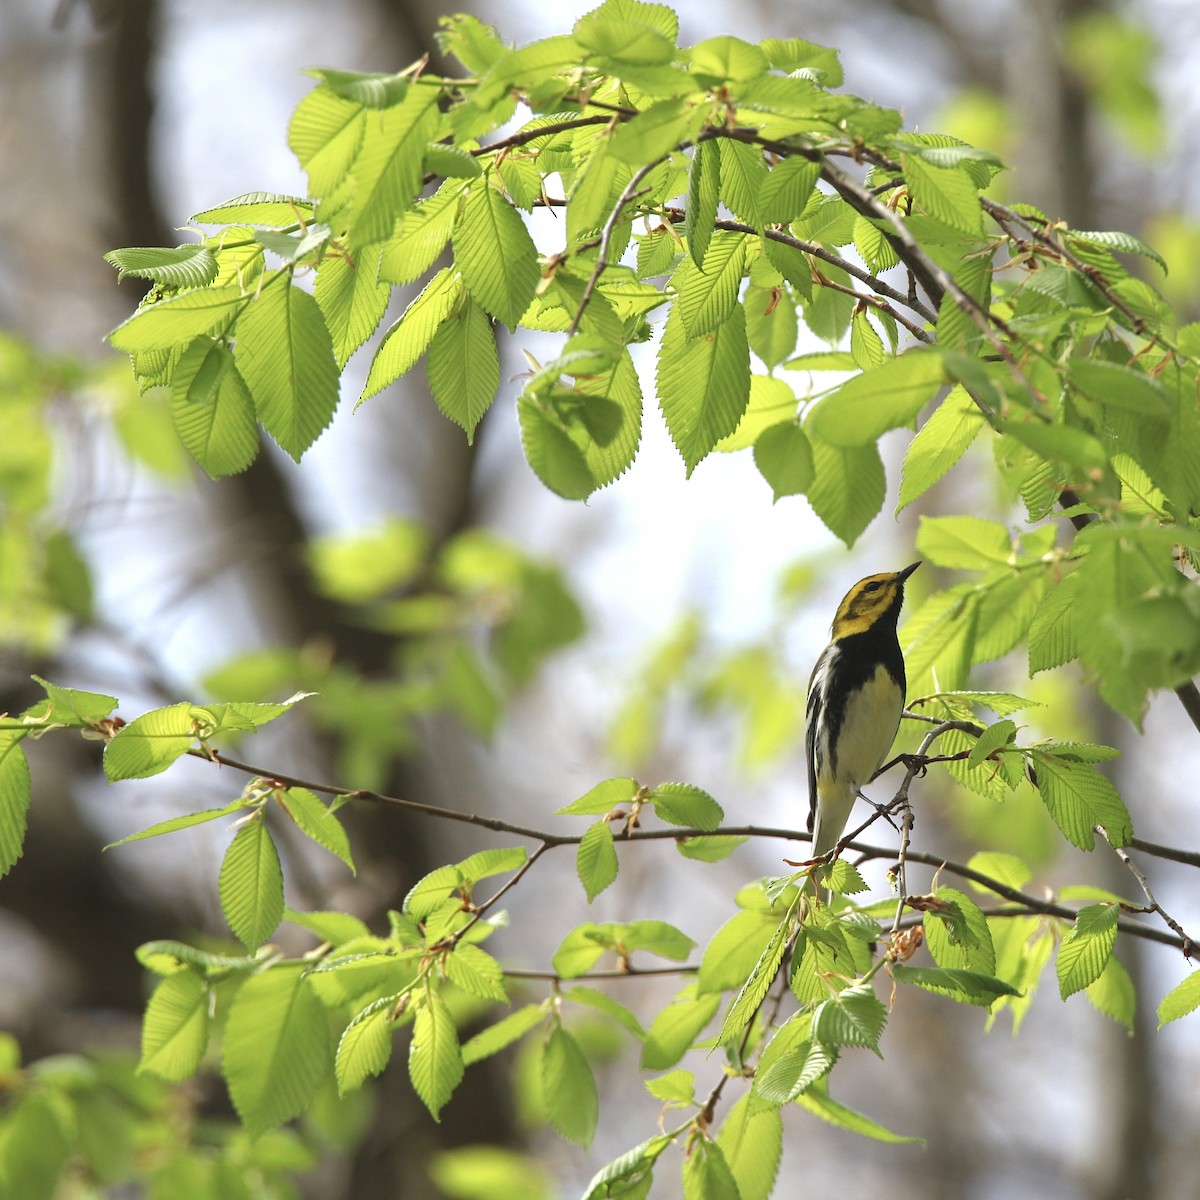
(855, 699)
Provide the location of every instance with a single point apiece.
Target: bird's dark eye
(874, 586)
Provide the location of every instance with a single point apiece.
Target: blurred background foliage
(478, 643)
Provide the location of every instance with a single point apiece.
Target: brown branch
(1031, 904)
(818, 251)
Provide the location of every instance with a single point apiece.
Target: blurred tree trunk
(400, 848)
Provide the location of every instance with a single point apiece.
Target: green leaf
(1078, 798)
(496, 254)
(854, 1017)
(791, 1063)
(939, 444)
(276, 1047)
(686, 805)
(960, 938)
(270, 209)
(149, 744)
(184, 822)
(784, 458)
(1113, 993)
(188, 266)
(795, 54)
(336, 928)
(1180, 1000)
(629, 1176)
(676, 1027)
(1120, 241)
(464, 369)
(69, 706)
(435, 1063)
(372, 90)
(439, 885)
(352, 299)
(325, 134)
(707, 293)
(703, 384)
(822, 1105)
(656, 131)
(877, 400)
(388, 170)
(365, 1046)
(965, 543)
(709, 849)
(1052, 639)
(848, 489)
(169, 957)
(994, 737)
(753, 991)
(844, 879)
(752, 1141)
(15, 791)
(704, 190)
(39, 1137)
(421, 235)
(946, 193)
(175, 1027)
(367, 565)
(285, 355)
(602, 798)
(744, 176)
(552, 452)
(251, 884)
(569, 1088)
(706, 1174)
(678, 1086)
(787, 190)
(626, 42)
(1118, 386)
(219, 430)
(771, 402)
(771, 323)
(503, 1033)
(317, 821)
(410, 336)
(596, 860)
(177, 320)
(1085, 950)
(734, 950)
(968, 987)
(602, 1002)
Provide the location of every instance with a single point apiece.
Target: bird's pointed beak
(903, 575)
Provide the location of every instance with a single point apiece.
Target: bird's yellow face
(869, 600)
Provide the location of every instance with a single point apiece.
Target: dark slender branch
(524, 136)
(1027, 905)
(550, 841)
(1189, 858)
(1188, 943)
(815, 249)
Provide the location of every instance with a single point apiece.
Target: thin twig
(1031, 904)
(1189, 944)
(606, 235)
(1189, 858)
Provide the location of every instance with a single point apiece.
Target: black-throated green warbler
(855, 699)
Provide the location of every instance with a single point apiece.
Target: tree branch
(1030, 904)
